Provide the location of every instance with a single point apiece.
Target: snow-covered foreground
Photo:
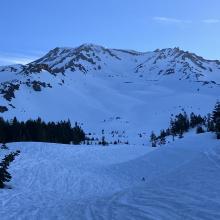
(182, 181)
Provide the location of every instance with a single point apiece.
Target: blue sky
(29, 28)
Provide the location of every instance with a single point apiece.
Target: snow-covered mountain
(122, 95)
(110, 88)
(89, 58)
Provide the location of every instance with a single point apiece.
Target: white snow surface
(132, 93)
(52, 181)
(122, 95)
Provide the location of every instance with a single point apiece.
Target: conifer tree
(104, 142)
(216, 119)
(153, 139)
(38, 130)
(5, 176)
(210, 123)
(181, 134)
(199, 130)
(216, 112)
(173, 131)
(162, 137)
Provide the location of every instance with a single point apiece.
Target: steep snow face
(89, 58)
(177, 181)
(181, 64)
(110, 89)
(152, 65)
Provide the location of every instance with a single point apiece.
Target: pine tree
(216, 119)
(104, 142)
(217, 128)
(181, 134)
(199, 130)
(173, 131)
(210, 123)
(192, 120)
(216, 112)
(5, 176)
(153, 139)
(162, 137)
(38, 130)
(168, 132)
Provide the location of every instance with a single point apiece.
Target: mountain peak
(58, 67)
(90, 57)
(85, 46)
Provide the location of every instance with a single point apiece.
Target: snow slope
(122, 95)
(119, 91)
(65, 182)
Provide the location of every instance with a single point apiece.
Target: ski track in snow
(79, 182)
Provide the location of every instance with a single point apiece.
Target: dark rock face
(35, 68)
(3, 109)
(37, 85)
(8, 90)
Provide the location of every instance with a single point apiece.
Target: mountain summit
(92, 80)
(89, 58)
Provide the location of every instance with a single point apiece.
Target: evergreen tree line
(181, 123)
(40, 131)
(5, 176)
(214, 124)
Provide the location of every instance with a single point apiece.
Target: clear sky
(29, 28)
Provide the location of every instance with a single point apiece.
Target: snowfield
(111, 89)
(120, 95)
(51, 181)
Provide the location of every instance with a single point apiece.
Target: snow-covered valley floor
(50, 181)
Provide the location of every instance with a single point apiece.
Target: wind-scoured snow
(177, 181)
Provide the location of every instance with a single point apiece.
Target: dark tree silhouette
(38, 130)
(216, 119)
(5, 176)
(153, 139)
